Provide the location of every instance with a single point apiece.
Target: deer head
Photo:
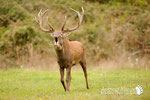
(58, 35)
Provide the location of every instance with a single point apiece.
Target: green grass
(24, 84)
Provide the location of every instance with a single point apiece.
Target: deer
(69, 53)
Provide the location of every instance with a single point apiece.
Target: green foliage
(15, 43)
(92, 35)
(23, 36)
(132, 2)
(11, 12)
(16, 13)
(109, 27)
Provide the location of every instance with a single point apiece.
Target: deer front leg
(68, 78)
(62, 77)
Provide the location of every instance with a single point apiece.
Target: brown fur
(72, 52)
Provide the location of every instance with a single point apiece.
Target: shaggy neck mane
(61, 54)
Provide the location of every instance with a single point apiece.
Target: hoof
(88, 88)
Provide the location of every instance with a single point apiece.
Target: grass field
(24, 84)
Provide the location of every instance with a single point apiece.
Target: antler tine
(44, 12)
(82, 10)
(36, 20)
(39, 21)
(77, 14)
(52, 29)
(39, 14)
(64, 23)
(79, 22)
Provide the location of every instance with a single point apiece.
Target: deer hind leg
(83, 65)
(68, 78)
(62, 77)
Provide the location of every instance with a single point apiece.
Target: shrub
(23, 36)
(16, 41)
(11, 13)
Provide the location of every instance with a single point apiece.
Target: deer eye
(61, 35)
(56, 39)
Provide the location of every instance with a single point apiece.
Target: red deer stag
(68, 52)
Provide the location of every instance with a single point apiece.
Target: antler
(79, 23)
(39, 21)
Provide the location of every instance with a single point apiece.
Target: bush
(23, 36)
(17, 13)
(15, 42)
(132, 2)
(11, 13)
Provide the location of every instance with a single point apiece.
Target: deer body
(71, 54)
(68, 52)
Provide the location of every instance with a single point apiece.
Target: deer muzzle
(56, 44)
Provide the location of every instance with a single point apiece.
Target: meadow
(115, 35)
(25, 84)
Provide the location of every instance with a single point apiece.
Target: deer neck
(65, 51)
